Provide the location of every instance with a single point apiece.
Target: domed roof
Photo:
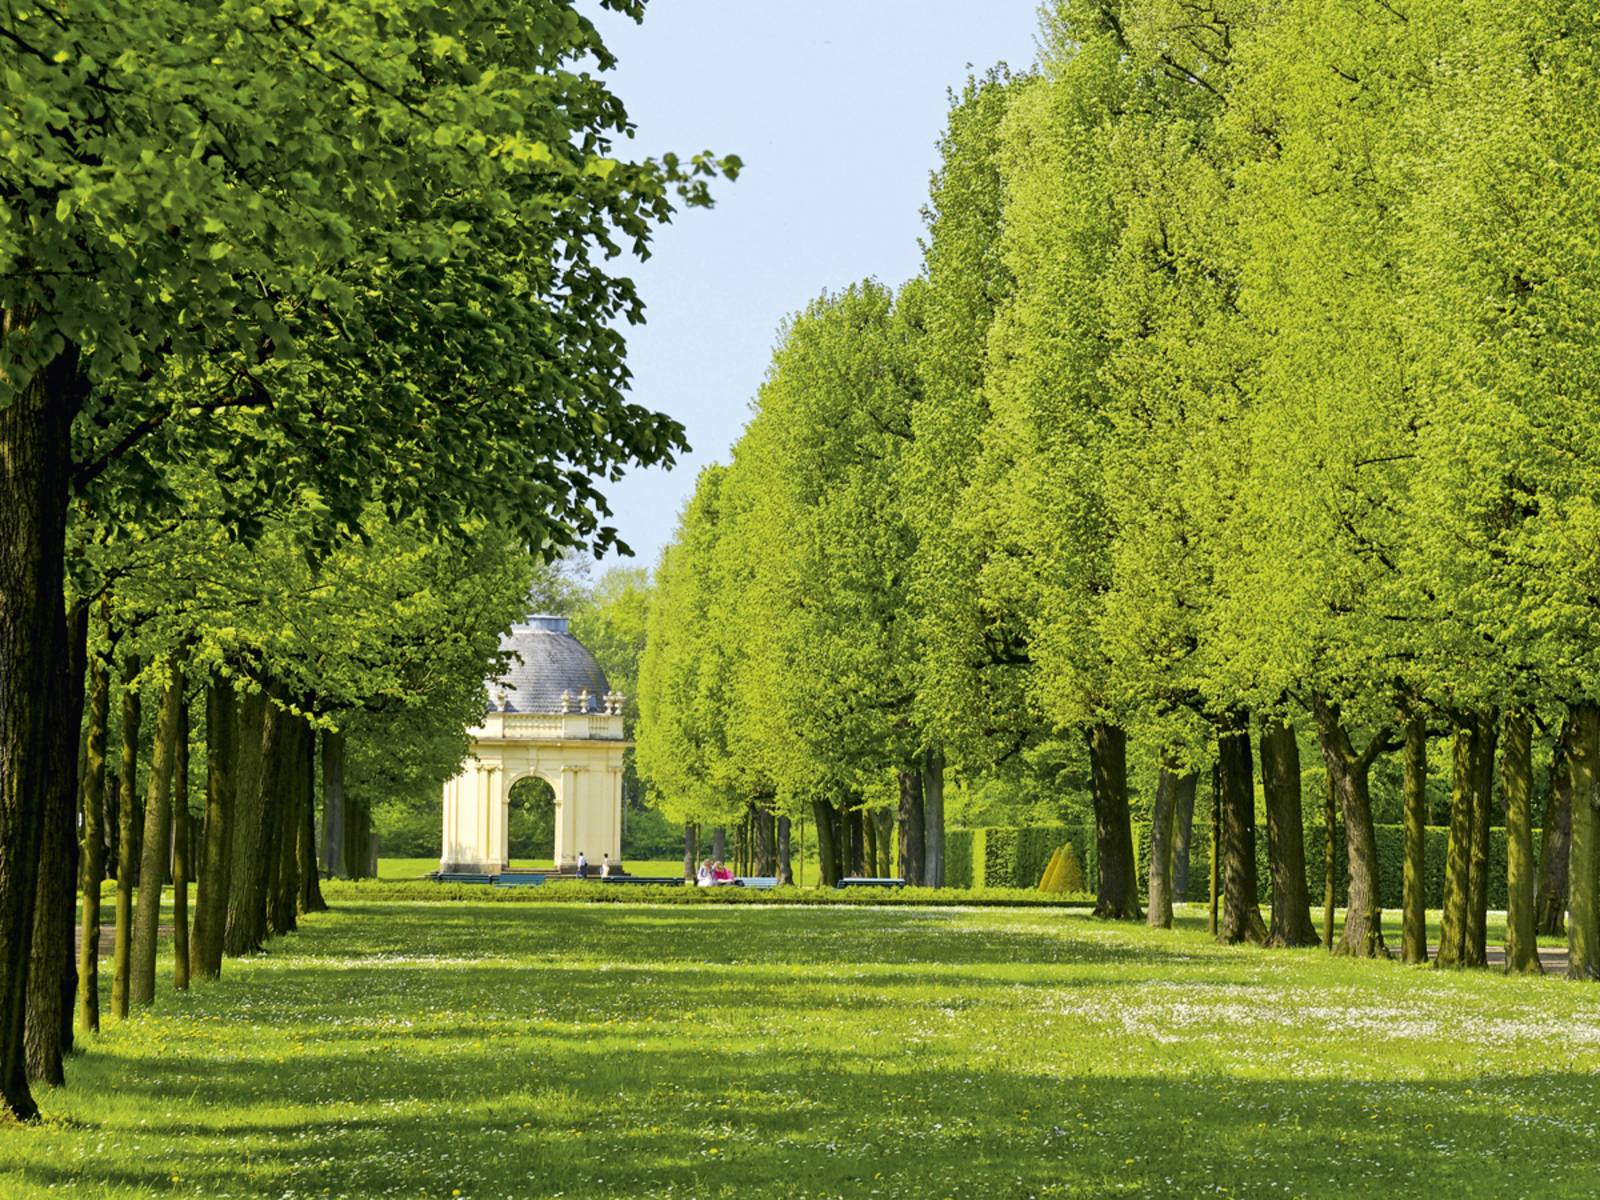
(547, 661)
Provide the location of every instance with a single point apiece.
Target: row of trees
(1243, 389)
(308, 347)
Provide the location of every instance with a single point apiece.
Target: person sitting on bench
(703, 877)
(720, 874)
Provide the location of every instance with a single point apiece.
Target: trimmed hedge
(339, 891)
(958, 858)
(1015, 857)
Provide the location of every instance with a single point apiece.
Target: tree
(438, 239)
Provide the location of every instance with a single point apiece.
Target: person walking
(583, 866)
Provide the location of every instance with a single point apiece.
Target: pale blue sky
(835, 107)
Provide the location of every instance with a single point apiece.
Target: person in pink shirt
(720, 874)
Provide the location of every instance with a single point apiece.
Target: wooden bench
(460, 877)
(518, 880)
(756, 881)
(868, 881)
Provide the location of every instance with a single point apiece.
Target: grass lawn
(494, 1050)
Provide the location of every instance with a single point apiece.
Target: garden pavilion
(551, 714)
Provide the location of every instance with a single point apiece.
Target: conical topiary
(1052, 868)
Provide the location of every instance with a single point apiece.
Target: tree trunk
(357, 836)
(157, 844)
(35, 472)
(93, 858)
(1286, 838)
(333, 803)
(51, 974)
(1414, 786)
(1453, 945)
(1117, 877)
(211, 896)
(884, 819)
(1186, 786)
(785, 864)
(180, 855)
(827, 855)
(1557, 835)
(869, 839)
(257, 746)
(310, 898)
(1330, 870)
(913, 828)
(1463, 932)
(1162, 828)
(1216, 844)
(719, 844)
(1363, 918)
(288, 777)
(1583, 859)
(855, 830)
(1516, 766)
(1241, 912)
(691, 850)
(122, 932)
(1478, 875)
(933, 819)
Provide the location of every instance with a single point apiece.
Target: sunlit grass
(614, 1050)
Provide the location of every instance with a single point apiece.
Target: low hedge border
(335, 890)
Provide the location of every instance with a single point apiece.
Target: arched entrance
(531, 821)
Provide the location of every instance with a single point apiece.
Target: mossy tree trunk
(1516, 775)
(256, 746)
(1163, 814)
(913, 844)
(1351, 770)
(157, 844)
(1488, 728)
(827, 853)
(1414, 788)
(122, 932)
(1330, 869)
(785, 857)
(691, 850)
(883, 818)
(1454, 950)
(1583, 859)
(216, 845)
(1286, 843)
(933, 818)
(92, 859)
(1117, 878)
(180, 855)
(1555, 838)
(1241, 913)
(1185, 787)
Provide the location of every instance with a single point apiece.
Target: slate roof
(548, 661)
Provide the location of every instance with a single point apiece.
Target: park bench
(869, 881)
(756, 881)
(461, 877)
(518, 880)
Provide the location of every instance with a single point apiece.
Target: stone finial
(566, 702)
(614, 703)
(583, 700)
(502, 700)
